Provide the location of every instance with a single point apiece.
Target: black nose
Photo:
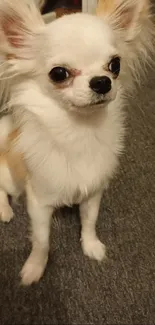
(101, 85)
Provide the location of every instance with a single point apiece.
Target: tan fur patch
(14, 160)
(106, 7)
(145, 10)
(10, 57)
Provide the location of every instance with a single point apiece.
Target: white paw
(6, 212)
(32, 271)
(94, 249)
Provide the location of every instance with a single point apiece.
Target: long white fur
(70, 146)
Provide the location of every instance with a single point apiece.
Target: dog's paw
(32, 271)
(94, 249)
(6, 212)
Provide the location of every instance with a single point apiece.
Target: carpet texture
(75, 290)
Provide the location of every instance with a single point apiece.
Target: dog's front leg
(91, 245)
(40, 216)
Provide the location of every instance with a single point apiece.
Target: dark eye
(59, 74)
(114, 66)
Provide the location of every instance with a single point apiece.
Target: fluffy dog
(64, 84)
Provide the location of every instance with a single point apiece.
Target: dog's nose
(101, 85)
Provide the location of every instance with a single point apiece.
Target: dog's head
(76, 59)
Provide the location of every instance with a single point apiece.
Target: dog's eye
(114, 66)
(59, 74)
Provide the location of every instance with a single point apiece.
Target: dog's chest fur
(68, 159)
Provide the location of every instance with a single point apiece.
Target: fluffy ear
(126, 15)
(19, 23)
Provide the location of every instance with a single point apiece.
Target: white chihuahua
(64, 84)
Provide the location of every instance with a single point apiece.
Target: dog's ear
(19, 24)
(124, 15)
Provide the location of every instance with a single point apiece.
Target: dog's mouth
(90, 108)
(93, 104)
(100, 102)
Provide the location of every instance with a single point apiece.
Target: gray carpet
(75, 290)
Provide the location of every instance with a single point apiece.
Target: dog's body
(62, 141)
